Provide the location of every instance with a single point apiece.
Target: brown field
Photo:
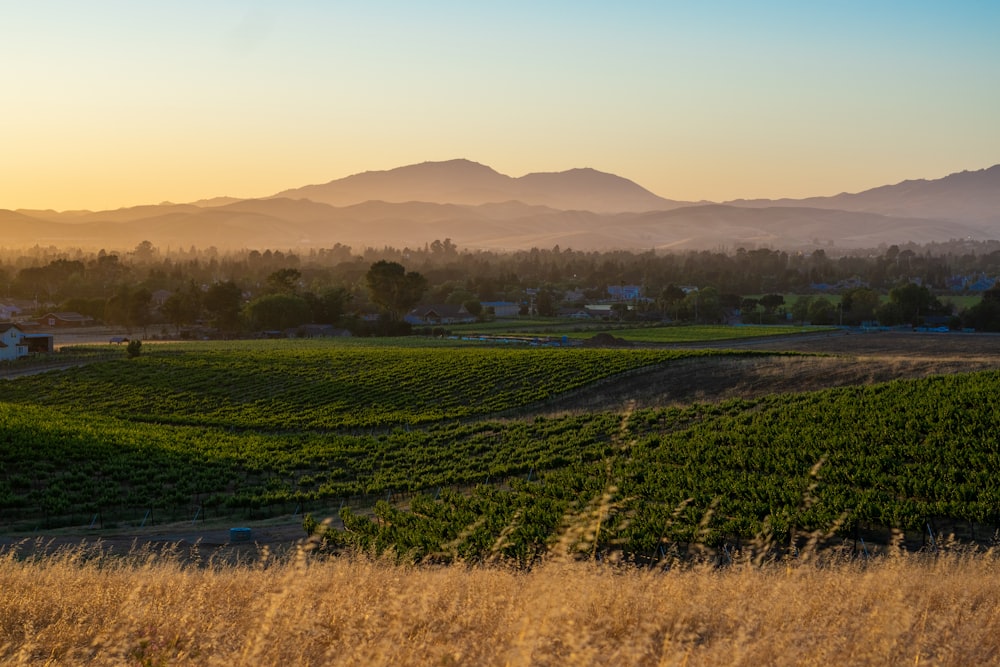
(78, 607)
(834, 360)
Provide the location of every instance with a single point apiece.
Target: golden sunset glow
(120, 104)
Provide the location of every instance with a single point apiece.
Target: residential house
(502, 308)
(9, 312)
(600, 311)
(625, 292)
(575, 313)
(12, 344)
(981, 285)
(439, 314)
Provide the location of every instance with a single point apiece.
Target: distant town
(154, 293)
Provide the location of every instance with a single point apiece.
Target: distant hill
(967, 196)
(477, 207)
(467, 182)
(287, 223)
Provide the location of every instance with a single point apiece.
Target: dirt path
(38, 370)
(182, 540)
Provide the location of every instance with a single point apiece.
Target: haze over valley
(479, 208)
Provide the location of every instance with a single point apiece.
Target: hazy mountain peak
(965, 196)
(477, 207)
(462, 181)
(455, 164)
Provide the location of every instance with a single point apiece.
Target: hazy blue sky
(108, 104)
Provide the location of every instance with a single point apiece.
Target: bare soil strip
(854, 359)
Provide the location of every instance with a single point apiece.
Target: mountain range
(479, 208)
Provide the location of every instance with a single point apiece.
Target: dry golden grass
(78, 607)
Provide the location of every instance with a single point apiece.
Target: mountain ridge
(967, 196)
(582, 208)
(463, 181)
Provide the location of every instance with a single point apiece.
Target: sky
(112, 104)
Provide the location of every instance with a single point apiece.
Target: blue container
(240, 534)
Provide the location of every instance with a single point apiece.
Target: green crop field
(290, 385)
(702, 334)
(445, 450)
(642, 334)
(906, 455)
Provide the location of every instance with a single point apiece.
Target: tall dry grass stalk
(81, 606)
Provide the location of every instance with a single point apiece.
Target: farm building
(66, 320)
(38, 343)
(601, 311)
(575, 313)
(439, 314)
(502, 308)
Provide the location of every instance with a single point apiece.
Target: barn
(69, 319)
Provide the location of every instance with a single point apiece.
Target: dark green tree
(985, 315)
(822, 311)
(859, 305)
(703, 305)
(769, 302)
(620, 310)
(222, 301)
(545, 305)
(278, 311)
(140, 312)
(328, 306)
(474, 307)
(183, 307)
(800, 309)
(748, 309)
(284, 281)
(670, 298)
(394, 289)
(129, 307)
(914, 302)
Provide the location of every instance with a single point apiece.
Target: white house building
(12, 345)
(502, 308)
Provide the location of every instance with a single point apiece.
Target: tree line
(272, 289)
